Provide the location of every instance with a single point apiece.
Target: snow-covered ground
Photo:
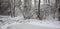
(29, 26)
(20, 22)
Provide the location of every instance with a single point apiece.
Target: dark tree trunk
(59, 14)
(58, 6)
(39, 10)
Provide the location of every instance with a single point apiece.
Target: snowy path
(29, 26)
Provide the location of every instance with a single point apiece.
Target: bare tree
(39, 10)
(12, 8)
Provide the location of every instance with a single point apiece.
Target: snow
(30, 26)
(48, 22)
(34, 22)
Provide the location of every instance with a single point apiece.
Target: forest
(36, 12)
(31, 9)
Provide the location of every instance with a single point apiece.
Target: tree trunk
(39, 10)
(12, 8)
